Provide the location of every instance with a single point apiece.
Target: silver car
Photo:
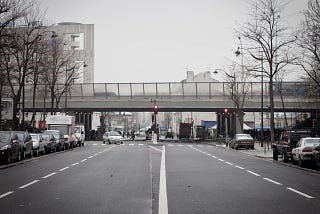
(303, 151)
(112, 137)
(37, 144)
(242, 140)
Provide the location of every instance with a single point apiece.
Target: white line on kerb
(60, 170)
(75, 164)
(28, 184)
(253, 173)
(163, 200)
(6, 194)
(272, 181)
(239, 167)
(300, 193)
(47, 176)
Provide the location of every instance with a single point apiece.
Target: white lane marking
(60, 170)
(140, 144)
(75, 164)
(47, 176)
(83, 160)
(6, 194)
(213, 156)
(163, 200)
(300, 193)
(155, 148)
(95, 144)
(28, 184)
(253, 173)
(239, 167)
(180, 145)
(272, 181)
(221, 160)
(90, 157)
(231, 164)
(131, 144)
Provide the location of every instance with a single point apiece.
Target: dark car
(58, 136)
(9, 147)
(26, 143)
(169, 135)
(49, 142)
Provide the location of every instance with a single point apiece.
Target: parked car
(112, 137)
(287, 141)
(49, 142)
(315, 158)
(9, 147)
(26, 143)
(303, 151)
(58, 136)
(169, 135)
(38, 144)
(242, 140)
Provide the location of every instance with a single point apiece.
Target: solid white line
(163, 200)
(300, 193)
(155, 148)
(6, 194)
(47, 176)
(60, 170)
(75, 164)
(272, 181)
(253, 173)
(83, 160)
(239, 167)
(28, 184)
(231, 164)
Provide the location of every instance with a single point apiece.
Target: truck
(200, 132)
(65, 124)
(185, 131)
(80, 134)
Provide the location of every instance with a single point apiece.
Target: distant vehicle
(200, 132)
(303, 151)
(169, 135)
(185, 131)
(288, 140)
(242, 141)
(26, 143)
(38, 144)
(315, 158)
(49, 142)
(9, 147)
(59, 139)
(112, 137)
(80, 134)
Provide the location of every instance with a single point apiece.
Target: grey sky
(159, 40)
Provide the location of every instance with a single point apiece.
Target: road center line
(300, 193)
(60, 170)
(272, 181)
(231, 164)
(163, 200)
(47, 176)
(6, 194)
(28, 184)
(90, 157)
(253, 173)
(75, 164)
(83, 160)
(239, 167)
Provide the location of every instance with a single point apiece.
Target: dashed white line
(253, 173)
(60, 170)
(231, 164)
(180, 145)
(29, 184)
(83, 160)
(300, 193)
(140, 144)
(221, 160)
(272, 181)
(90, 157)
(75, 164)
(47, 176)
(131, 144)
(239, 167)
(6, 194)
(95, 144)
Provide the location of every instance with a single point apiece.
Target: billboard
(6, 108)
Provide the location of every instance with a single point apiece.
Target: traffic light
(155, 109)
(225, 110)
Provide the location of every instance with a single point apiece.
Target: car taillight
(307, 150)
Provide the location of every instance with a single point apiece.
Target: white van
(80, 134)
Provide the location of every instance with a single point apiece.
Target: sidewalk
(258, 151)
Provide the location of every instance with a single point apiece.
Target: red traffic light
(155, 109)
(225, 110)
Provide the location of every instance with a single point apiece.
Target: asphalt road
(170, 177)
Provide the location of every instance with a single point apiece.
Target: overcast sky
(159, 40)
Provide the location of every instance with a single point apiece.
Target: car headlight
(4, 147)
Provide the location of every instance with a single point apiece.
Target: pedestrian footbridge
(175, 96)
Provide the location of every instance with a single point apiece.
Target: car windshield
(113, 133)
(34, 137)
(20, 136)
(46, 136)
(77, 129)
(4, 136)
(243, 137)
(311, 141)
(55, 134)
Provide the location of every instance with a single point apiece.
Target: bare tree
(167, 119)
(309, 42)
(269, 41)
